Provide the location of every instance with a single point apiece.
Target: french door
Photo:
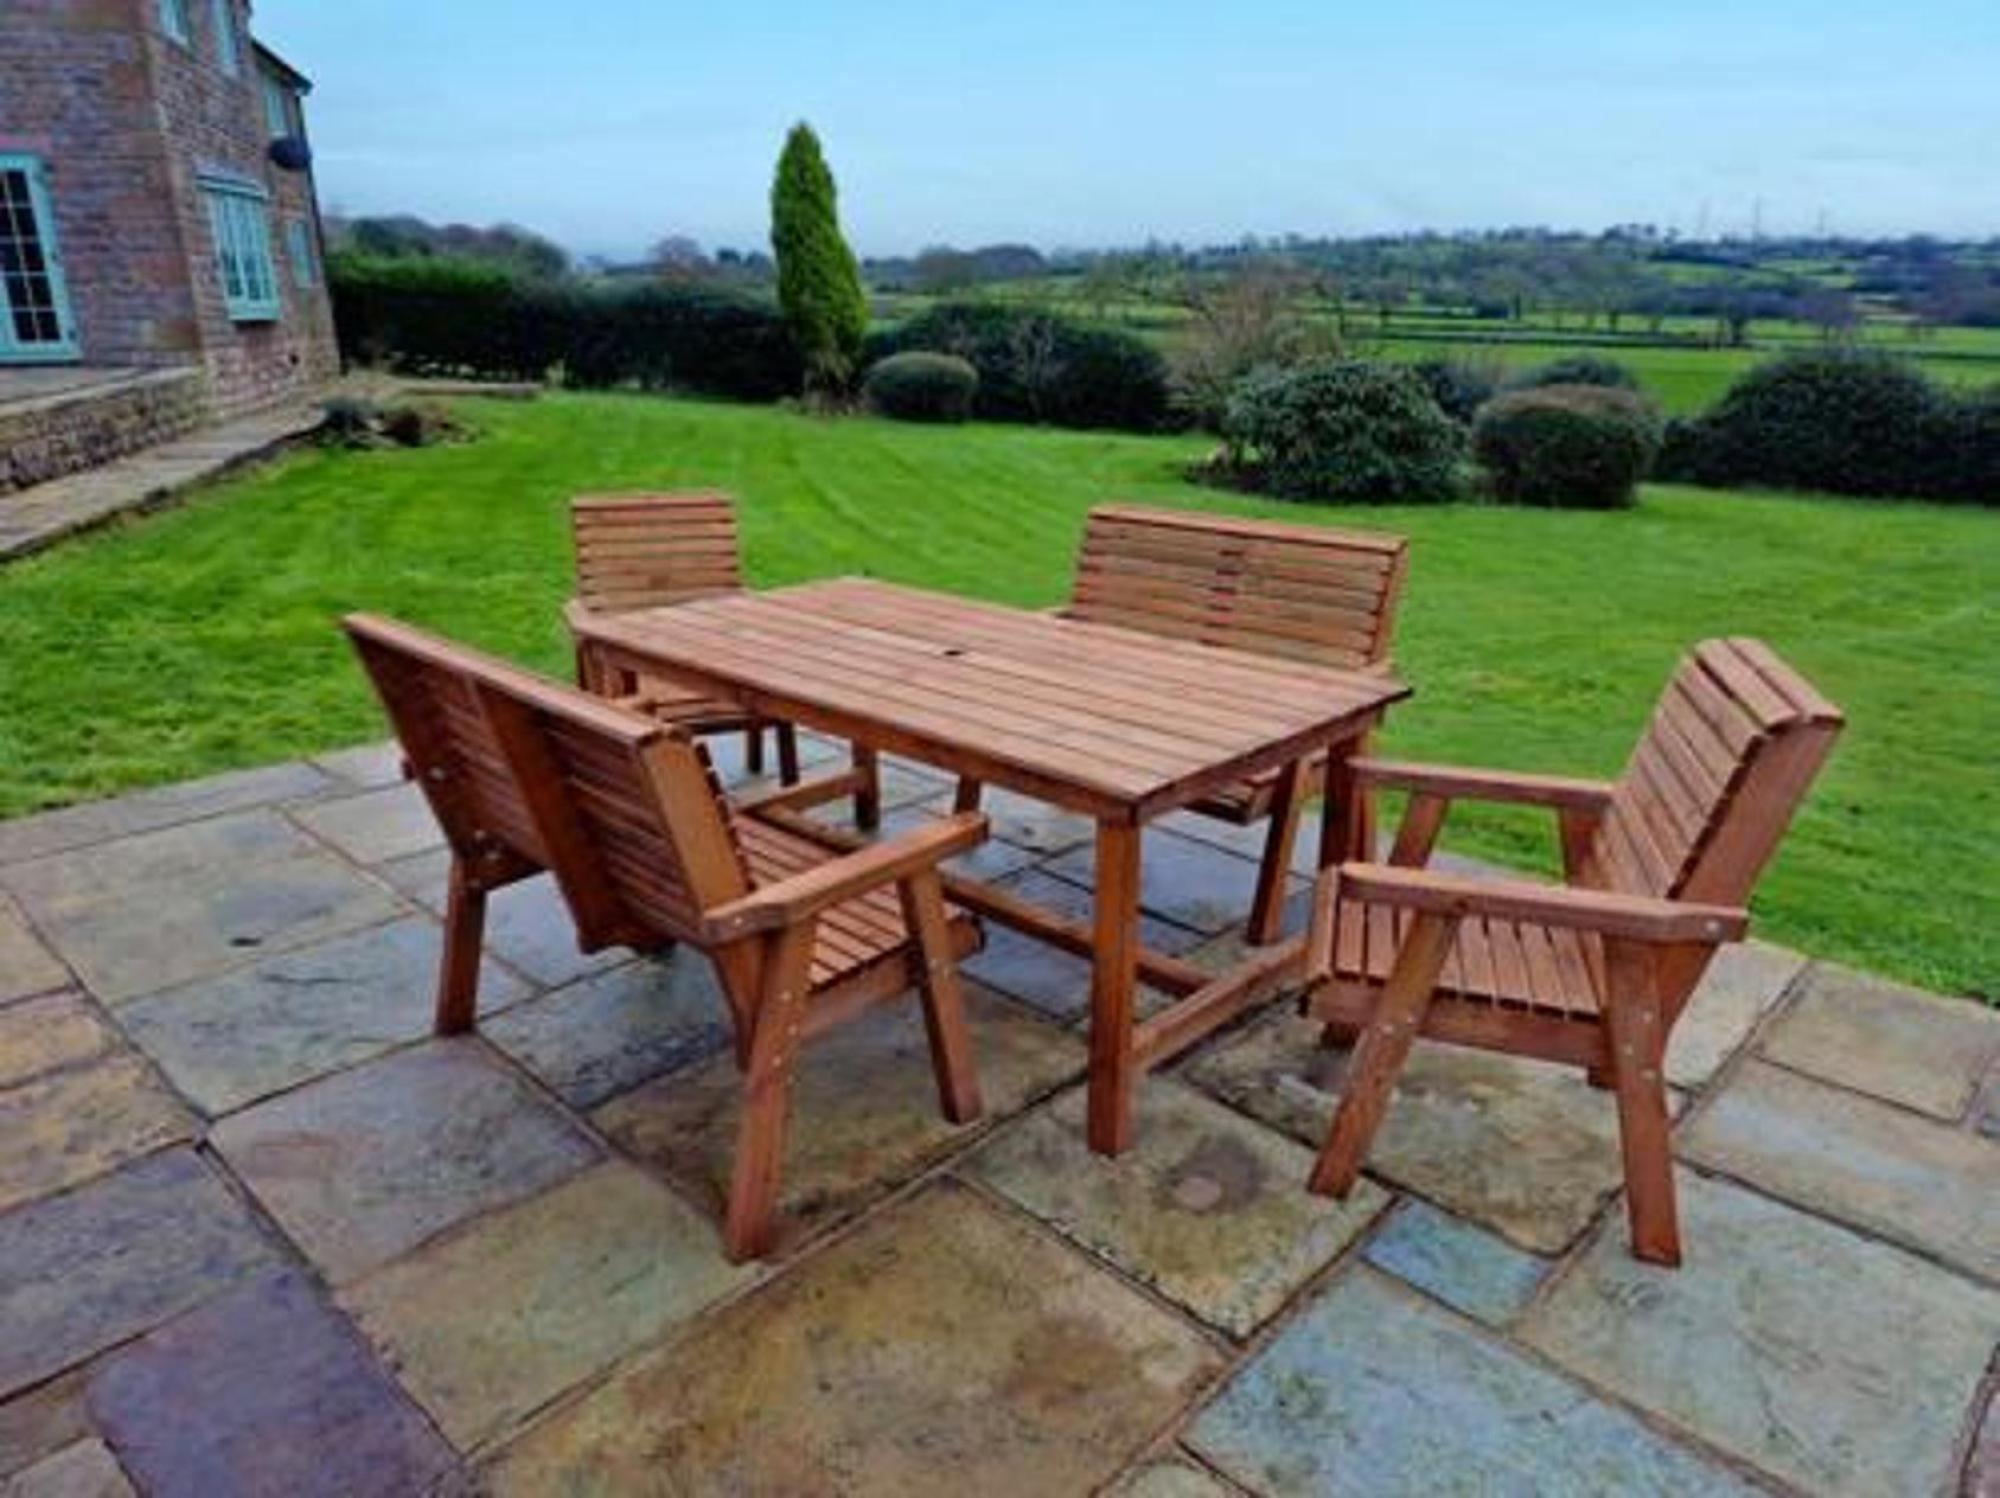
(35, 322)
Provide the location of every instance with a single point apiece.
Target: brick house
(159, 235)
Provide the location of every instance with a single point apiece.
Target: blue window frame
(174, 20)
(35, 323)
(239, 219)
(298, 250)
(228, 47)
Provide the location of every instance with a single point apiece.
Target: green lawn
(203, 638)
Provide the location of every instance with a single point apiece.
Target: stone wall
(76, 429)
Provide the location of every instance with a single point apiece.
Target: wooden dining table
(1118, 725)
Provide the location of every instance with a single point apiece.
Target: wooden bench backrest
(1299, 591)
(521, 770)
(642, 551)
(1731, 750)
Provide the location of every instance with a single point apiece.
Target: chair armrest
(806, 894)
(1454, 782)
(1637, 917)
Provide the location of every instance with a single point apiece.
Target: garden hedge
(1344, 429)
(920, 386)
(1582, 447)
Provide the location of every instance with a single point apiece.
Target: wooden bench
(526, 775)
(1659, 866)
(1302, 592)
(646, 551)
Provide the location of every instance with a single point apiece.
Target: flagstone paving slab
(1840, 1364)
(39, 1035)
(263, 1390)
(1743, 982)
(946, 1342)
(485, 1325)
(164, 908)
(1247, 841)
(1073, 901)
(527, 924)
(41, 1422)
(1982, 1466)
(84, 1470)
(362, 1165)
(1207, 1208)
(1468, 1268)
(50, 832)
(1928, 1185)
(864, 1108)
(1526, 1149)
(70, 1125)
(1034, 825)
(26, 966)
(231, 1040)
(992, 859)
(1054, 982)
(115, 1257)
(1170, 1480)
(1190, 883)
(375, 826)
(1374, 1391)
(1878, 1037)
(365, 765)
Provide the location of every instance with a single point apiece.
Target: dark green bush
(1973, 472)
(1576, 369)
(1460, 386)
(920, 386)
(1042, 367)
(1345, 429)
(451, 317)
(1579, 447)
(1845, 420)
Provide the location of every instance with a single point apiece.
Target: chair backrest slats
(636, 551)
(1298, 591)
(623, 811)
(1713, 782)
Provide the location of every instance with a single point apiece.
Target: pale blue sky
(608, 123)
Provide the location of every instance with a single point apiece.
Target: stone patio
(261, 1233)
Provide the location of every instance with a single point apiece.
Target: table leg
(1114, 980)
(1346, 825)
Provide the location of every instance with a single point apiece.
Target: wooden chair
(526, 775)
(1300, 591)
(1658, 867)
(643, 551)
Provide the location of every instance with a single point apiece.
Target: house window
(298, 250)
(228, 50)
(174, 20)
(277, 108)
(237, 216)
(35, 324)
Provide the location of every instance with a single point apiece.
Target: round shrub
(1576, 369)
(1566, 446)
(1974, 472)
(918, 386)
(1460, 386)
(1845, 420)
(1345, 429)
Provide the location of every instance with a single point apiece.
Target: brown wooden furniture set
(1230, 667)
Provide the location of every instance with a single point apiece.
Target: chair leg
(1385, 1044)
(753, 748)
(868, 799)
(1638, 1074)
(458, 973)
(944, 1002)
(760, 1140)
(1267, 910)
(788, 754)
(967, 796)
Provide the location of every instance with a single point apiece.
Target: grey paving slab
(1073, 901)
(603, 1035)
(1466, 1267)
(86, 1469)
(1840, 1364)
(1170, 1480)
(263, 1390)
(1190, 883)
(1372, 1390)
(45, 1420)
(1034, 825)
(1208, 1208)
(945, 1341)
(1525, 1149)
(94, 1266)
(527, 924)
(1046, 978)
(147, 811)
(991, 860)
(485, 1325)
(1925, 1184)
(364, 765)
(26, 965)
(230, 1040)
(362, 1165)
(40, 1034)
(1982, 1463)
(864, 1110)
(162, 908)
(67, 1126)
(374, 826)
(1910, 1047)
(1743, 983)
